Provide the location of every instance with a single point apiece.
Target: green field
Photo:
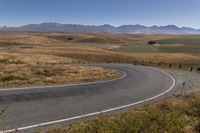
(188, 44)
(182, 40)
(194, 49)
(138, 49)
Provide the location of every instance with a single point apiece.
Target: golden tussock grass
(170, 115)
(19, 69)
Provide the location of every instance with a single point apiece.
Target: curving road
(28, 107)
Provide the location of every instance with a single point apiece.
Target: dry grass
(19, 69)
(23, 38)
(94, 47)
(180, 115)
(41, 50)
(107, 38)
(96, 54)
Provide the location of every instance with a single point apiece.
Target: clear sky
(97, 12)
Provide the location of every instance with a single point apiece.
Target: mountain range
(125, 29)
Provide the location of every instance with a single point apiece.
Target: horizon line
(97, 25)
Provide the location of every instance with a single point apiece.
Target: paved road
(39, 105)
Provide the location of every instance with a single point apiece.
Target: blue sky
(97, 12)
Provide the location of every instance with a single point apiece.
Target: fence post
(180, 66)
(191, 68)
(183, 88)
(198, 69)
(170, 65)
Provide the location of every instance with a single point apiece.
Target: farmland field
(138, 49)
(163, 48)
(186, 44)
(183, 40)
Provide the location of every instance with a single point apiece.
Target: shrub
(151, 42)
(70, 38)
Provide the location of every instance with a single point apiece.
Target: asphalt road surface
(28, 107)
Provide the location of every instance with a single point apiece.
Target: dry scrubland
(22, 69)
(171, 115)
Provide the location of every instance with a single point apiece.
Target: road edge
(103, 111)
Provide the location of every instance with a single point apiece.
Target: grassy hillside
(87, 47)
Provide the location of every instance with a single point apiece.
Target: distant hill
(126, 29)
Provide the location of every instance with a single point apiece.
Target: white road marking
(97, 113)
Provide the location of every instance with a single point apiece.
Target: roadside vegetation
(171, 115)
(21, 70)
